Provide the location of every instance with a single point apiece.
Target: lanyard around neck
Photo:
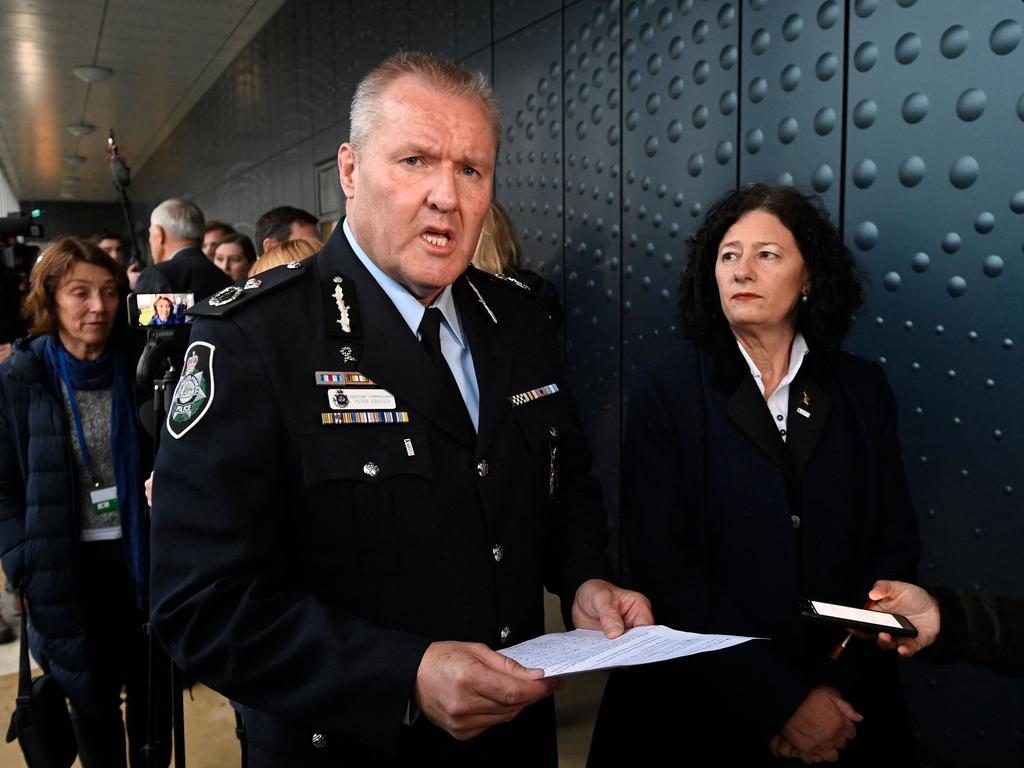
(86, 456)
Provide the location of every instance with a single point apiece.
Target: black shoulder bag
(40, 721)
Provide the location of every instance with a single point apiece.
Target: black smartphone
(858, 618)
(151, 310)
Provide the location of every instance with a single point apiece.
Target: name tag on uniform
(360, 400)
(103, 500)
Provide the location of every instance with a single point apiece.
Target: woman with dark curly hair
(762, 465)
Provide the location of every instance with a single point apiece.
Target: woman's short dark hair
(53, 264)
(242, 241)
(836, 291)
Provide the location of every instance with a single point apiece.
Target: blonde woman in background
(285, 253)
(497, 252)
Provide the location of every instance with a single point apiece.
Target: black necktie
(430, 339)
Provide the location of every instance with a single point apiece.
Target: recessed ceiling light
(67, 194)
(93, 73)
(74, 159)
(80, 129)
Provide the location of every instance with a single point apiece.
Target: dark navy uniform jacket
(739, 527)
(301, 568)
(188, 271)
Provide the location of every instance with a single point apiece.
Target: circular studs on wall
(908, 48)
(864, 173)
(954, 41)
(864, 113)
(911, 171)
(759, 89)
(827, 66)
(760, 41)
(865, 56)
(824, 121)
(964, 172)
(864, 8)
(984, 223)
(790, 77)
(951, 242)
(915, 107)
(754, 141)
(822, 178)
(992, 265)
(1005, 37)
(792, 27)
(788, 130)
(828, 14)
(865, 235)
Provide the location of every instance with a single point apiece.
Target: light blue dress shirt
(453, 343)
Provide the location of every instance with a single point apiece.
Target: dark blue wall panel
(678, 152)
(528, 177)
(792, 96)
(593, 242)
(624, 120)
(472, 26)
(933, 160)
(509, 16)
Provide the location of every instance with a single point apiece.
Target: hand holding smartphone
(863, 619)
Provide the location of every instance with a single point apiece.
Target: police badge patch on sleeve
(194, 393)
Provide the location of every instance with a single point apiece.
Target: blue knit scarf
(113, 369)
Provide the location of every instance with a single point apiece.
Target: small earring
(803, 298)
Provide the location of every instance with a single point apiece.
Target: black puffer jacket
(39, 526)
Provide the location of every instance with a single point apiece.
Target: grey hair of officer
(180, 219)
(443, 76)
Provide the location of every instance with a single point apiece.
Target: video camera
(162, 316)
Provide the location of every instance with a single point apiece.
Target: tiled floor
(210, 727)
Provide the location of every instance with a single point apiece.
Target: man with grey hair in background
(391, 472)
(176, 229)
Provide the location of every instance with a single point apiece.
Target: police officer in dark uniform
(372, 468)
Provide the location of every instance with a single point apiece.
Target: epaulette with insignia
(497, 279)
(229, 299)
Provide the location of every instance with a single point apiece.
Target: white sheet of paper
(583, 650)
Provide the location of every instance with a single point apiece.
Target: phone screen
(856, 614)
(154, 310)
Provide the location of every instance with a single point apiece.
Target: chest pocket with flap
(371, 505)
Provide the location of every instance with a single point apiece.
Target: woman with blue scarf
(74, 536)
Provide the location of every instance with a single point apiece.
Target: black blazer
(302, 569)
(726, 526)
(188, 271)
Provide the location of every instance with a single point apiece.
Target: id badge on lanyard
(103, 500)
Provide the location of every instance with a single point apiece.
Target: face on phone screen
(150, 310)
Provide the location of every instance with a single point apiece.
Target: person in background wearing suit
(213, 233)
(179, 265)
(423, 470)
(284, 223)
(762, 465)
(112, 244)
